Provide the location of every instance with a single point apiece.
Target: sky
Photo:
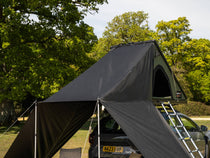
(196, 11)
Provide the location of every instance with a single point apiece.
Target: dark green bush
(193, 108)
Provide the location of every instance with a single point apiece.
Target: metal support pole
(35, 131)
(98, 108)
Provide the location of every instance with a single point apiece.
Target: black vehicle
(115, 143)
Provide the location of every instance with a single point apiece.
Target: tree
(189, 58)
(196, 55)
(196, 61)
(199, 85)
(125, 28)
(43, 46)
(172, 35)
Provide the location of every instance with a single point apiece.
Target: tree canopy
(196, 61)
(125, 28)
(43, 46)
(171, 35)
(46, 44)
(189, 58)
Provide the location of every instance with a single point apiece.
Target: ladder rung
(168, 107)
(187, 138)
(179, 126)
(195, 151)
(173, 114)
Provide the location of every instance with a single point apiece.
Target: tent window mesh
(161, 84)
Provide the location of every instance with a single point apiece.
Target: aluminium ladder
(181, 125)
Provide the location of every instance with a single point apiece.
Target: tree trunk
(7, 113)
(1, 13)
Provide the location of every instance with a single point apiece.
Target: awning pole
(35, 132)
(98, 108)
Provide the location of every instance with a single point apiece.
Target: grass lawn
(5, 143)
(7, 139)
(77, 140)
(200, 116)
(203, 122)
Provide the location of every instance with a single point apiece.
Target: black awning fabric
(57, 123)
(122, 81)
(147, 129)
(104, 75)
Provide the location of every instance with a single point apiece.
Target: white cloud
(197, 13)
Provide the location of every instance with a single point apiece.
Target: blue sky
(196, 11)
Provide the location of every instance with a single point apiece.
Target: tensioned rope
(90, 125)
(17, 119)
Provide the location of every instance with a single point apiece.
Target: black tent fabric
(123, 82)
(147, 129)
(57, 122)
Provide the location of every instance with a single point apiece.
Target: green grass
(77, 140)
(200, 116)
(203, 122)
(5, 143)
(7, 139)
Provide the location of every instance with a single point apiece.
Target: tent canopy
(126, 81)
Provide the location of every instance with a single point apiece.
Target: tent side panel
(160, 61)
(147, 129)
(137, 83)
(101, 77)
(23, 146)
(57, 123)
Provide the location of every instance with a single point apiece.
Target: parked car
(115, 144)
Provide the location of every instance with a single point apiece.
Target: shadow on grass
(13, 130)
(87, 124)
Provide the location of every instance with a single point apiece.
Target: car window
(189, 124)
(109, 125)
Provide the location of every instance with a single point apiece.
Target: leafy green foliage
(171, 35)
(128, 27)
(199, 84)
(189, 58)
(125, 28)
(196, 60)
(193, 108)
(43, 45)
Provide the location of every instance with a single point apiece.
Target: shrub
(193, 108)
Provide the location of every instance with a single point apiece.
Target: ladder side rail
(191, 139)
(185, 130)
(177, 130)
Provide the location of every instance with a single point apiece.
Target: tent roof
(104, 75)
(123, 82)
(113, 67)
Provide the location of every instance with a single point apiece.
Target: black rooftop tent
(127, 81)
